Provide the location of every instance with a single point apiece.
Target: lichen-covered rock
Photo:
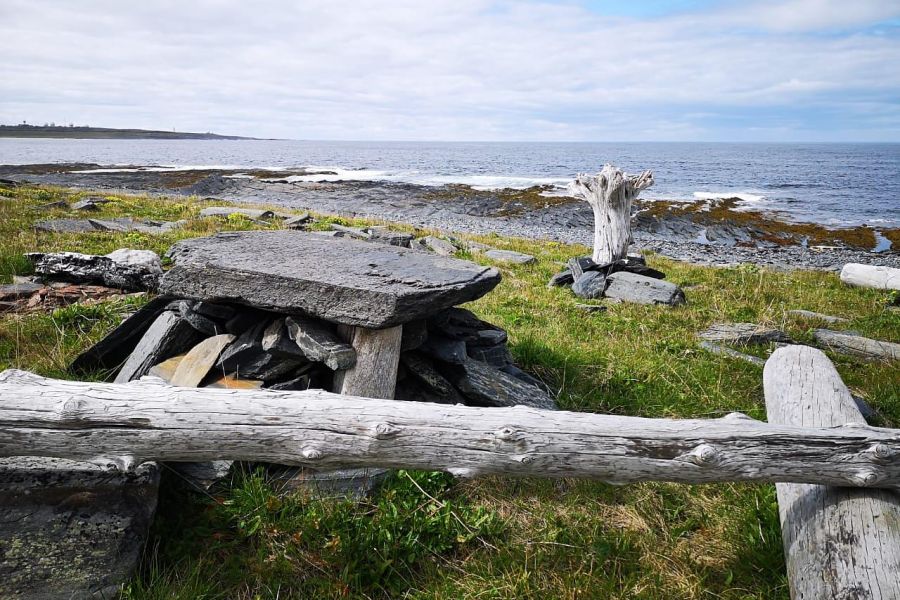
(71, 530)
(87, 268)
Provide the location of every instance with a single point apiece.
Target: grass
(427, 536)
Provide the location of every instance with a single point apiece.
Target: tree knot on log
(311, 453)
(73, 410)
(385, 430)
(122, 464)
(509, 434)
(525, 459)
(704, 455)
(865, 478)
(880, 452)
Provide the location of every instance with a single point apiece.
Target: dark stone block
(591, 285)
(444, 349)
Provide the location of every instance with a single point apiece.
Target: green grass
(425, 535)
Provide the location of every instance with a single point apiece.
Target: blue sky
(553, 70)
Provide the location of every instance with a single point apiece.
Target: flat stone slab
(336, 279)
(72, 530)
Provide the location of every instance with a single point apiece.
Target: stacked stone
(625, 280)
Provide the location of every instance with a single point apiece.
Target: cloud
(452, 69)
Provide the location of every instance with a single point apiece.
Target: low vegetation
(426, 535)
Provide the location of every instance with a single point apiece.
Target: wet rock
(168, 336)
(86, 268)
(742, 334)
(483, 385)
(629, 287)
(337, 280)
(509, 256)
(590, 286)
(69, 529)
(319, 343)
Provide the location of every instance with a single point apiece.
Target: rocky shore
(704, 232)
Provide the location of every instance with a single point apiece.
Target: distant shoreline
(107, 133)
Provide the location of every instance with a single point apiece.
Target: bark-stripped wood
(610, 194)
(148, 420)
(838, 542)
(377, 358)
(881, 278)
(856, 345)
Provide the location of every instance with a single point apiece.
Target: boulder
(71, 530)
(629, 287)
(742, 334)
(86, 268)
(508, 256)
(338, 280)
(590, 286)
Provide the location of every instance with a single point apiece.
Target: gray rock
(168, 336)
(578, 266)
(108, 353)
(201, 476)
(726, 351)
(488, 337)
(850, 343)
(320, 344)
(561, 279)
(806, 314)
(353, 484)
(484, 385)
(629, 287)
(89, 204)
(146, 259)
(497, 355)
(87, 268)
(71, 530)
(227, 211)
(296, 222)
(354, 232)
(521, 375)
(590, 286)
(205, 325)
(509, 256)
(444, 349)
(743, 334)
(338, 280)
(414, 335)
(246, 349)
(391, 238)
(65, 226)
(219, 312)
(58, 205)
(434, 387)
(438, 246)
(460, 324)
(118, 225)
(591, 308)
(299, 383)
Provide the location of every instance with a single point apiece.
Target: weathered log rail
(126, 424)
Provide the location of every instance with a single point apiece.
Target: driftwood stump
(611, 193)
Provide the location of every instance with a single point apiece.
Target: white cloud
(443, 69)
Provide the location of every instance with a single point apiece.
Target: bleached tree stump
(126, 424)
(880, 278)
(838, 542)
(611, 193)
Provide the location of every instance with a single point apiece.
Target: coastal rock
(70, 529)
(590, 286)
(509, 256)
(167, 336)
(86, 268)
(628, 287)
(337, 280)
(743, 334)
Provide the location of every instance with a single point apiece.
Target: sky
(590, 70)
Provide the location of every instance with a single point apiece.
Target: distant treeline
(83, 132)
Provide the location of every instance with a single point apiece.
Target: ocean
(832, 184)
